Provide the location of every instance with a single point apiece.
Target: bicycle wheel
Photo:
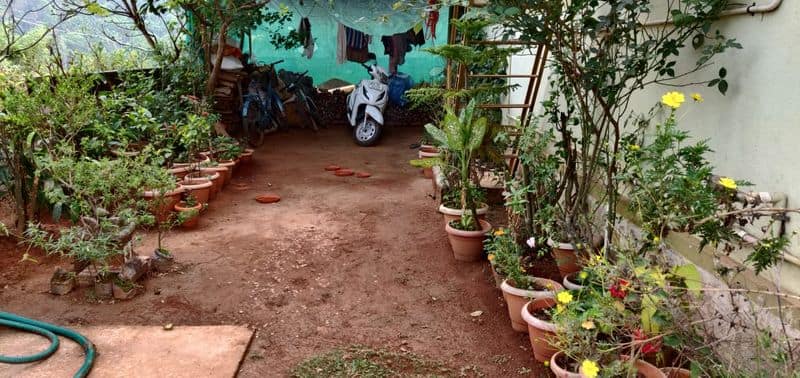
(253, 132)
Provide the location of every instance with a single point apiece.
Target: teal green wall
(421, 65)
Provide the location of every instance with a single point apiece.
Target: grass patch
(359, 361)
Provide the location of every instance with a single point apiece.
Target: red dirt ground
(338, 261)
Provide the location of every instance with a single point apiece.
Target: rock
(333, 167)
(363, 174)
(476, 314)
(268, 198)
(344, 172)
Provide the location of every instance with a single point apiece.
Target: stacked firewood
(333, 109)
(228, 97)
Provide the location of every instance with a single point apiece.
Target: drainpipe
(758, 198)
(750, 9)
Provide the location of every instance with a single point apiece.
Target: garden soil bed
(338, 261)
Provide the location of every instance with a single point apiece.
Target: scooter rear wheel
(367, 132)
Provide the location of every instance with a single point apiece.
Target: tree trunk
(216, 67)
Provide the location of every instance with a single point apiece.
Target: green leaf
(723, 87)
(97, 10)
(690, 275)
(649, 309)
(425, 163)
(437, 134)
(722, 73)
(478, 132)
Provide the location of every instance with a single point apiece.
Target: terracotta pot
(673, 372)
(429, 148)
(62, 286)
(427, 154)
(540, 332)
(161, 207)
(516, 299)
(162, 262)
(230, 164)
(565, 256)
(190, 222)
(104, 290)
(247, 156)
(468, 245)
(451, 214)
(216, 181)
(120, 293)
(498, 277)
(569, 281)
(223, 171)
(648, 370)
(199, 187)
(180, 171)
(559, 371)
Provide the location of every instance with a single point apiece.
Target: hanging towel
(433, 17)
(341, 45)
(357, 49)
(308, 40)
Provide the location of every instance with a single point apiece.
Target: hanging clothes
(341, 45)
(357, 49)
(308, 41)
(433, 17)
(397, 45)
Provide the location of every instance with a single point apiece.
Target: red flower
(618, 290)
(624, 283)
(651, 348)
(638, 334)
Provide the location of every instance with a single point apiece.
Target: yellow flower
(696, 97)
(634, 147)
(589, 368)
(727, 182)
(673, 99)
(587, 324)
(546, 363)
(491, 257)
(564, 297)
(656, 239)
(500, 232)
(559, 308)
(583, 275)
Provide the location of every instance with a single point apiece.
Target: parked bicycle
(303, 90)
(262, 107)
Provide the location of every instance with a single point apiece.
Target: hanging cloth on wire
(308, 41)
(397, 45)
(433, 17)
(357, 49)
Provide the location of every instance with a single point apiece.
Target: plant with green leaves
(226, 148)
(461, 135)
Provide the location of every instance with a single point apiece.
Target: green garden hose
(50, 331)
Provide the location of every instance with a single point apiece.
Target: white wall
(755, 129)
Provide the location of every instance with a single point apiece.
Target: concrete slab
(135, 351)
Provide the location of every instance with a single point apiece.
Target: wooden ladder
(457, 77)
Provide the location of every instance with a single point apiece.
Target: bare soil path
(338, 261)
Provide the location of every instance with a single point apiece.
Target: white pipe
(750, 9)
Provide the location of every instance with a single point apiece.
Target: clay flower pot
(541, 332)
(162, 261)
(180, 171)
(569, 281)
(222, 171)
(230, 164)
(517, 298)
(161, 207)
(468, 245)
(565, 256)
(123, 294)
(427, 153)
(246, 157)
(104, 290)
(192, 221)
(216, 181)
(673, 372)
(643, 369)
(451, 214)
(199, 187)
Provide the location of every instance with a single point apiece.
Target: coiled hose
(50, 331)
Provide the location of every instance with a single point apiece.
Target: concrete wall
(755, 129)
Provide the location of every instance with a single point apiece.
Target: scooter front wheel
(367, 132)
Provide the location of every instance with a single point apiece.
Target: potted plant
(189, 211)
(124, 289)
(461, 135)
(198, 187)
(541, 330)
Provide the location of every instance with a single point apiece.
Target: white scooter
(365, 106)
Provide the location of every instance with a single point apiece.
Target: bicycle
(262, 107)
(300, 92)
